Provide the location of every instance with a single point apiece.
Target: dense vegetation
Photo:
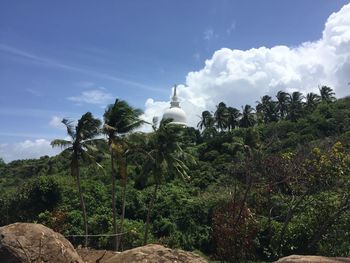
(254, 184)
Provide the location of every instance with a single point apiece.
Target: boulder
(31, 243)
(155, 253)
(311, 259)
(90, 255)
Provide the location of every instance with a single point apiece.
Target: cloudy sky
(63, 58)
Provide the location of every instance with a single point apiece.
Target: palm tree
(312, 100)
(206, 124)
(296, 106)
(206, 121)
(233, 116)
(221, 116)
(119, 118)
(268, 109)
(164, 155)
(283, 101)
(82, 138)
(271, 112)
(327, 94)
(247, 119)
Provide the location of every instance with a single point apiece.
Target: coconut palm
(267, 109)
(165, 155)
(312, 100)
(295, 106)
(119, 119)
(271, 112)
(206, 121)
(221, 116)
(233, 116)
(283, 101)
(248, 118)
(82, 139)
(327, 94)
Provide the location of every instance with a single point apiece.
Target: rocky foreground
(34, 243)
(312, 259)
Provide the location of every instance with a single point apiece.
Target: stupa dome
(175, 112)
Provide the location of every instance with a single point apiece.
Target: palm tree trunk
(150, 208)
(123, 216)
(82, 202)
(114, 203)
(123, 176)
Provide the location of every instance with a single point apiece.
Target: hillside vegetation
(251, 184)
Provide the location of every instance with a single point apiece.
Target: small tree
(234, 230)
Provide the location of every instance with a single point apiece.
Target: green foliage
(287, 169)
(36, 195)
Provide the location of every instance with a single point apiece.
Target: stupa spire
(174, 100)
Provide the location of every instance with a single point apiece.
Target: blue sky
(63, 58)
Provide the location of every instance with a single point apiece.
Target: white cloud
(238, 77)
(152, 109)
(27, 150)
(56, 122)
(95, 96)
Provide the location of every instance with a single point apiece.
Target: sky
(60, 59)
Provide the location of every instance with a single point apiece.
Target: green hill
(260, 185)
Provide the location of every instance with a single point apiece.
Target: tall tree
(295, 106)
(233, 116)
(283, 101)
(327, 94)
(268, 109)
(312, 100)
(82, 139)
(119, 119)
(221, 116)
(248, 118)
(165, 155)
(206, 121)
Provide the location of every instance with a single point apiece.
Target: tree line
(286, 107)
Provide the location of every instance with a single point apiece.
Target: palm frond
(92, 143)
(88, 157)
(70, 127)
(136, 124)
(88, 127)
(61, 143)
(108, 128)
(122, 117)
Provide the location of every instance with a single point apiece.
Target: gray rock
(34, 243)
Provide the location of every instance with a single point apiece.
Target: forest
(250, 184)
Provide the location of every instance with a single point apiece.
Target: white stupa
(175, 112)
